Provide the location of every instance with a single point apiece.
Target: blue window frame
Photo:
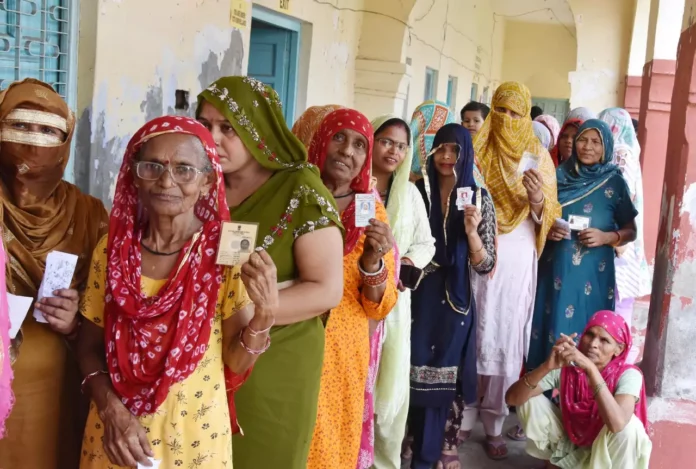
(430, 84)
(35, 42)
(38, 40)
(474, 92)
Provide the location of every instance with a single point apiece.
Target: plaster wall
(462, 39)
(604, 40)
(545, 70)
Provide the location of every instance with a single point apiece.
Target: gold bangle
(526, 383)
(617, 243)
(478, 250)
(598, 388)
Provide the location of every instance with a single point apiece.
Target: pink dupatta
(6, 395)
(579, 409)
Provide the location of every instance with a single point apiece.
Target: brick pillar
(656, 91)
(633, 95)
(669, 364)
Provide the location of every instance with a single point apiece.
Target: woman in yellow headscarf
(526, 207)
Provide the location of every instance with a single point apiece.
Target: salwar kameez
(547, 440)
(443, 329)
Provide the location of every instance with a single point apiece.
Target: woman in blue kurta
(576, 275)
(443, 345)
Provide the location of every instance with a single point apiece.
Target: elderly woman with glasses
(164, 320)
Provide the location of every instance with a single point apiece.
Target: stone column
(658, 81)
(668, 364)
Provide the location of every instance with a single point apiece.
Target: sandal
(496, 450)
(463, 436)
(447, 459)
(516, 433)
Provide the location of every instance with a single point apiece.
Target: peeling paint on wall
(216, 52)
(688, 204)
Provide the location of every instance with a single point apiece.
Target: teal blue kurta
(574, 281)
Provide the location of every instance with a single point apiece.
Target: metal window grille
(35, 42)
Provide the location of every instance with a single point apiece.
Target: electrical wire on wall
(447, 25)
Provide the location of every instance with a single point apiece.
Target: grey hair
(200, 150)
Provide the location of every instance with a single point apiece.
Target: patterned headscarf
(426, 121)
(581, 113)
(575, 180)
(499, 147)
(310, 120)
(150, 344)
(398, 189)
(332, 124)
(633, 275)
(579, 409)
(543, 134)
(554, 127)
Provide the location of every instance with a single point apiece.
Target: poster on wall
(239, 13)
(284, 5)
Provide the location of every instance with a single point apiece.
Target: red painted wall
(633, 95)
(656, 99)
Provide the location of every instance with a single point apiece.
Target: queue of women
(335, 345)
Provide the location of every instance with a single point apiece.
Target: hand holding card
(364, 209)
(528, 161)
(464, 197)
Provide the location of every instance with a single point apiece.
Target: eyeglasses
(389, 144)
(151, 171)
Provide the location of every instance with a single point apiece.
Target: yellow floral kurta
(336, 440)
(191, 429)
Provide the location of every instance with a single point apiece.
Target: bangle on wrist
(254, 333)
(617, 243)
(250, 350)
(526, 382)
(89, 377)
(598, 388)
(376, 279)
(536, 204)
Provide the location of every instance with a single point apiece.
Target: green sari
(277, 406)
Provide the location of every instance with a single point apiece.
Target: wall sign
(239, 13)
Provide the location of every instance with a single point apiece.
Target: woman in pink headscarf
(602, 421)
(554, 127)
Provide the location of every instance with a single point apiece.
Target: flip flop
(516, 433)
(446, 459)
(496, 450)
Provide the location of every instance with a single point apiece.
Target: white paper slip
(364, 209)
(560, 222)
(60, 267)
(528, 161)
(578, 222)
(155, 464)
(464, 197)
(19, 307)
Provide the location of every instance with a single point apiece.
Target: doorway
(273, 57)
(557, 108)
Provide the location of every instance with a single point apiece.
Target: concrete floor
(472, 455)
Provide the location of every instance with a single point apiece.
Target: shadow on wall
(98, 158)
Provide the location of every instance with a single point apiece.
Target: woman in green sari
(268, 181)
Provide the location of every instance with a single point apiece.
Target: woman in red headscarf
(342, 149)
(602, 421)
(164, 320)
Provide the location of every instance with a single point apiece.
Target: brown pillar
(633, 95)
(669, 364)
(656, 96)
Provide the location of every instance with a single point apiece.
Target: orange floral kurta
(336, 441)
